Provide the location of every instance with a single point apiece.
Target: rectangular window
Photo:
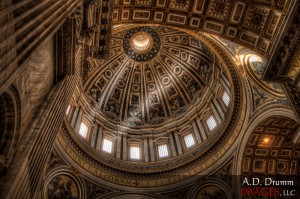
(163, 151)
(211, 122)
(83, 130)
(135, 152)
(226, 98)
(107, 145)
(68, 109)
(189, 140)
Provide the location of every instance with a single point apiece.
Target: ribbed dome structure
(153, 75)
(162, 104)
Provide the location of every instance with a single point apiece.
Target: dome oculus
(141, 43)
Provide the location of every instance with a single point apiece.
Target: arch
(267, 147)
(270, 148)
(9, 127)
(254, 66)
(283, 111)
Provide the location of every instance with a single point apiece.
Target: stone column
(152, 155)
(172, 144)
(146, 149)
(219, 109)
(27, 168)
(225, 85)
(74, 116)
(201, 129)
(99, 138)
(78, 120)
(178, 145)
(25, 173)
(125, 148)
(119, 143)
(196, 131)
(94, 135)
(215, 113)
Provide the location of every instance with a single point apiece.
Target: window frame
(168, 150)
(226, 93)
(88, 129)
(112, 145)
(185, 143)
(207, 123)
(140, 152)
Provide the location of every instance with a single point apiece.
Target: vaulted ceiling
(252, 23)
(137, 88)
(270, 148)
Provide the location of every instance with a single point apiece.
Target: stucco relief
(35, 81)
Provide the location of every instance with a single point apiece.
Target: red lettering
(264, 192)
(247, 192)
(257, 192)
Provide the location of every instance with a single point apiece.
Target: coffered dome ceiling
(153, 75)
(171, 95)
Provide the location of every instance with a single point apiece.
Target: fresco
(62, 187)
(257, 65)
